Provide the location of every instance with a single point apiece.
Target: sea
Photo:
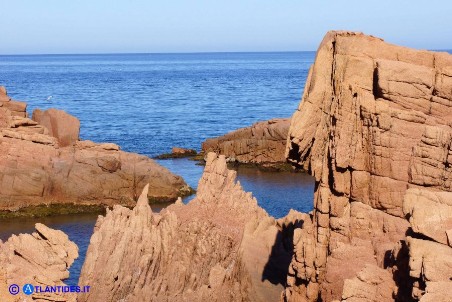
(148, 103)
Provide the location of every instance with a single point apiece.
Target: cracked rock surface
(374, 129)
(220, 247)
(41, 259)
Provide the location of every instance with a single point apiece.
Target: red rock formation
(16, 108)
(374, 122)
(220, 247)
(41, 259)
(61, 125)
(36, 169)
(262, 144)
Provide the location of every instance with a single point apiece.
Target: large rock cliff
(47, 164)
(220, 247)
(374, 129)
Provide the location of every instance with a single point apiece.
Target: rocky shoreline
(373, 128)
(43, 162)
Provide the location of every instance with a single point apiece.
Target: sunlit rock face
(220, 247)
(262, 144)
(374, 129)
(42, 161)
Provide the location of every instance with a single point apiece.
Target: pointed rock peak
(143, 199)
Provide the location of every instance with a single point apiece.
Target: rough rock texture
(42, 258)
(374, 121)
(263, 144)
(220, 247)
(61, 125)
(35, 169)
(16, 108)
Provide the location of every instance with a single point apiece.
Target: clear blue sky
(101, 26)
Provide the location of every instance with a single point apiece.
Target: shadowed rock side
(38, 168)
(262, 144)
(220, 247)
(374, 129)
(41, 259)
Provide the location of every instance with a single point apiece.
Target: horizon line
(449, 50)
(155, 53)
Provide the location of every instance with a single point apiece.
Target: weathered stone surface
(36, 168)
(263, 143)
(374, 122)
(429, 213)
(42, 258)
(430, 264)
(16, 108)
(61, 125)
(371, 284)
(219, 247)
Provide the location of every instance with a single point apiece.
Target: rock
(183, 151)
(42, 258)
(429, 213)
(177, 152)
(371, 284)
(374, 121)
(431, 264)
(36, 168)
(219, 247)
(262, 144)
(61, 125)
(15, 108)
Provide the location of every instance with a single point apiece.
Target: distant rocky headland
(43, 162)
(374, 129)
(261, 145)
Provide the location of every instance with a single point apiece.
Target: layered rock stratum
(374, 129)
(47, 164)
(42, 259)
(262, 144)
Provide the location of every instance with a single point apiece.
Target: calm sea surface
(148, 103)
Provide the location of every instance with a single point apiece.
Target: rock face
(374, 129)
(219, 247)
(38, 168)
(41, 259)
(16, 108)
(262, 144)
(61, 125)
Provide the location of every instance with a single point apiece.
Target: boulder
(61, 125)
(42, 259)
(261, 144)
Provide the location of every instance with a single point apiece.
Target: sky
(144, 26)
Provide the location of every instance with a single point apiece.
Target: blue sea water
(148, 103)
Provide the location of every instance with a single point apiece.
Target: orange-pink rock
(48, 165)
(374, 121)
(61, 125)
(261, 144)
